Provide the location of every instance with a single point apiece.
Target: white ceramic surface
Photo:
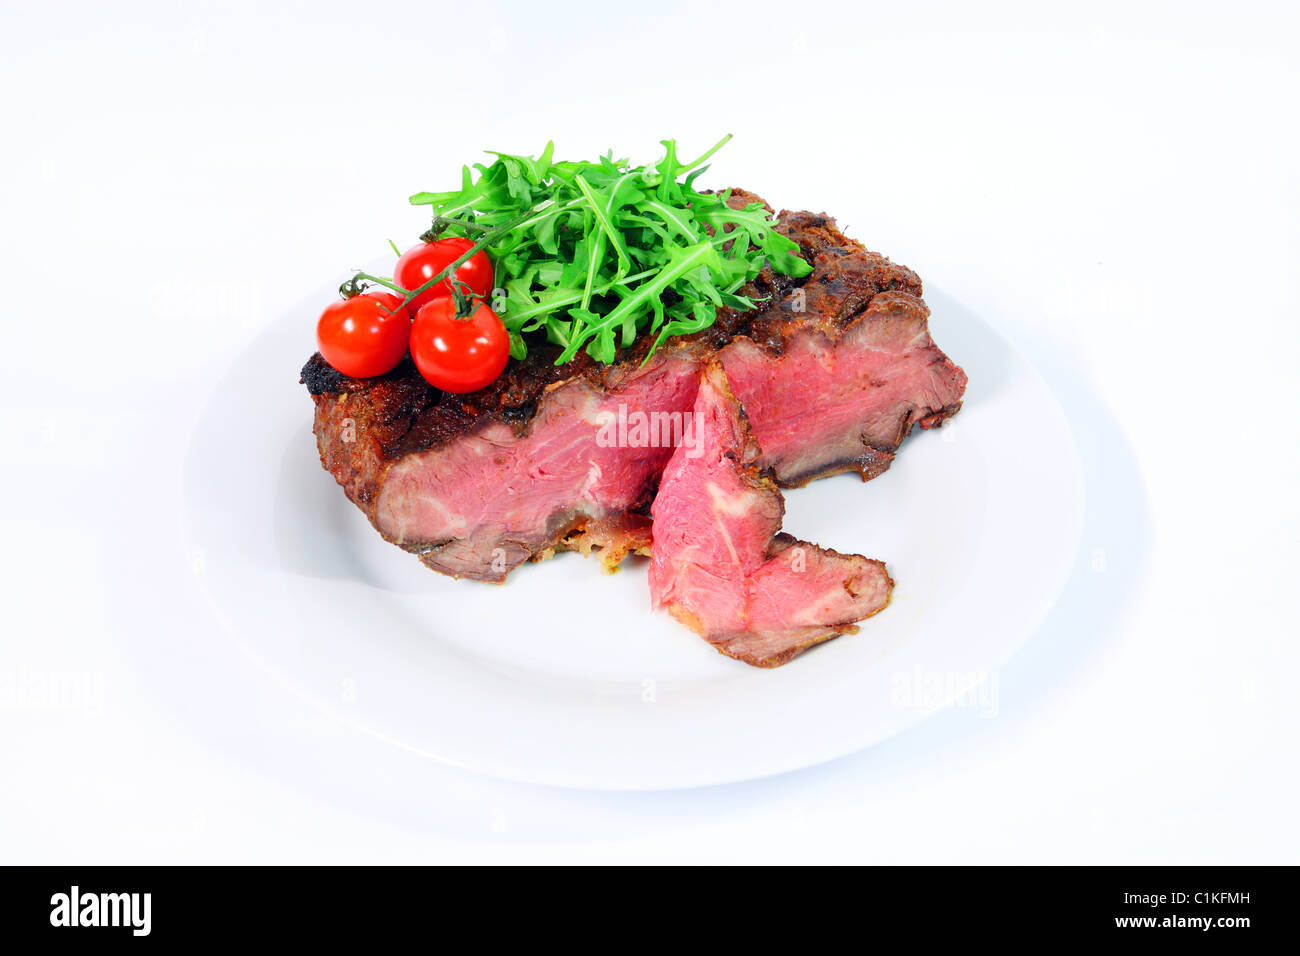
(564, 676)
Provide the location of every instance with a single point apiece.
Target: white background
(1112, 185)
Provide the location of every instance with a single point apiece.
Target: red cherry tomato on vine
(421, 263)
(365, 335)
(458, 355)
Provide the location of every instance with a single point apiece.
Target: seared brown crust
(844, 280)
(362, 425)
(614, 538)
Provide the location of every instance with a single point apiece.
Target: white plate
(564, 676)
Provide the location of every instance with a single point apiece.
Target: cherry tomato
(421, 263)
(365, 335)
(458, 355)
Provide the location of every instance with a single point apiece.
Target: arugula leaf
(596, 254)
(685, 260)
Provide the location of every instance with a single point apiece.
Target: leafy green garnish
(596, 254)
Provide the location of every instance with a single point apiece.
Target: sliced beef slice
(718, 562)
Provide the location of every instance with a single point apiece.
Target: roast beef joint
(830, 373)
